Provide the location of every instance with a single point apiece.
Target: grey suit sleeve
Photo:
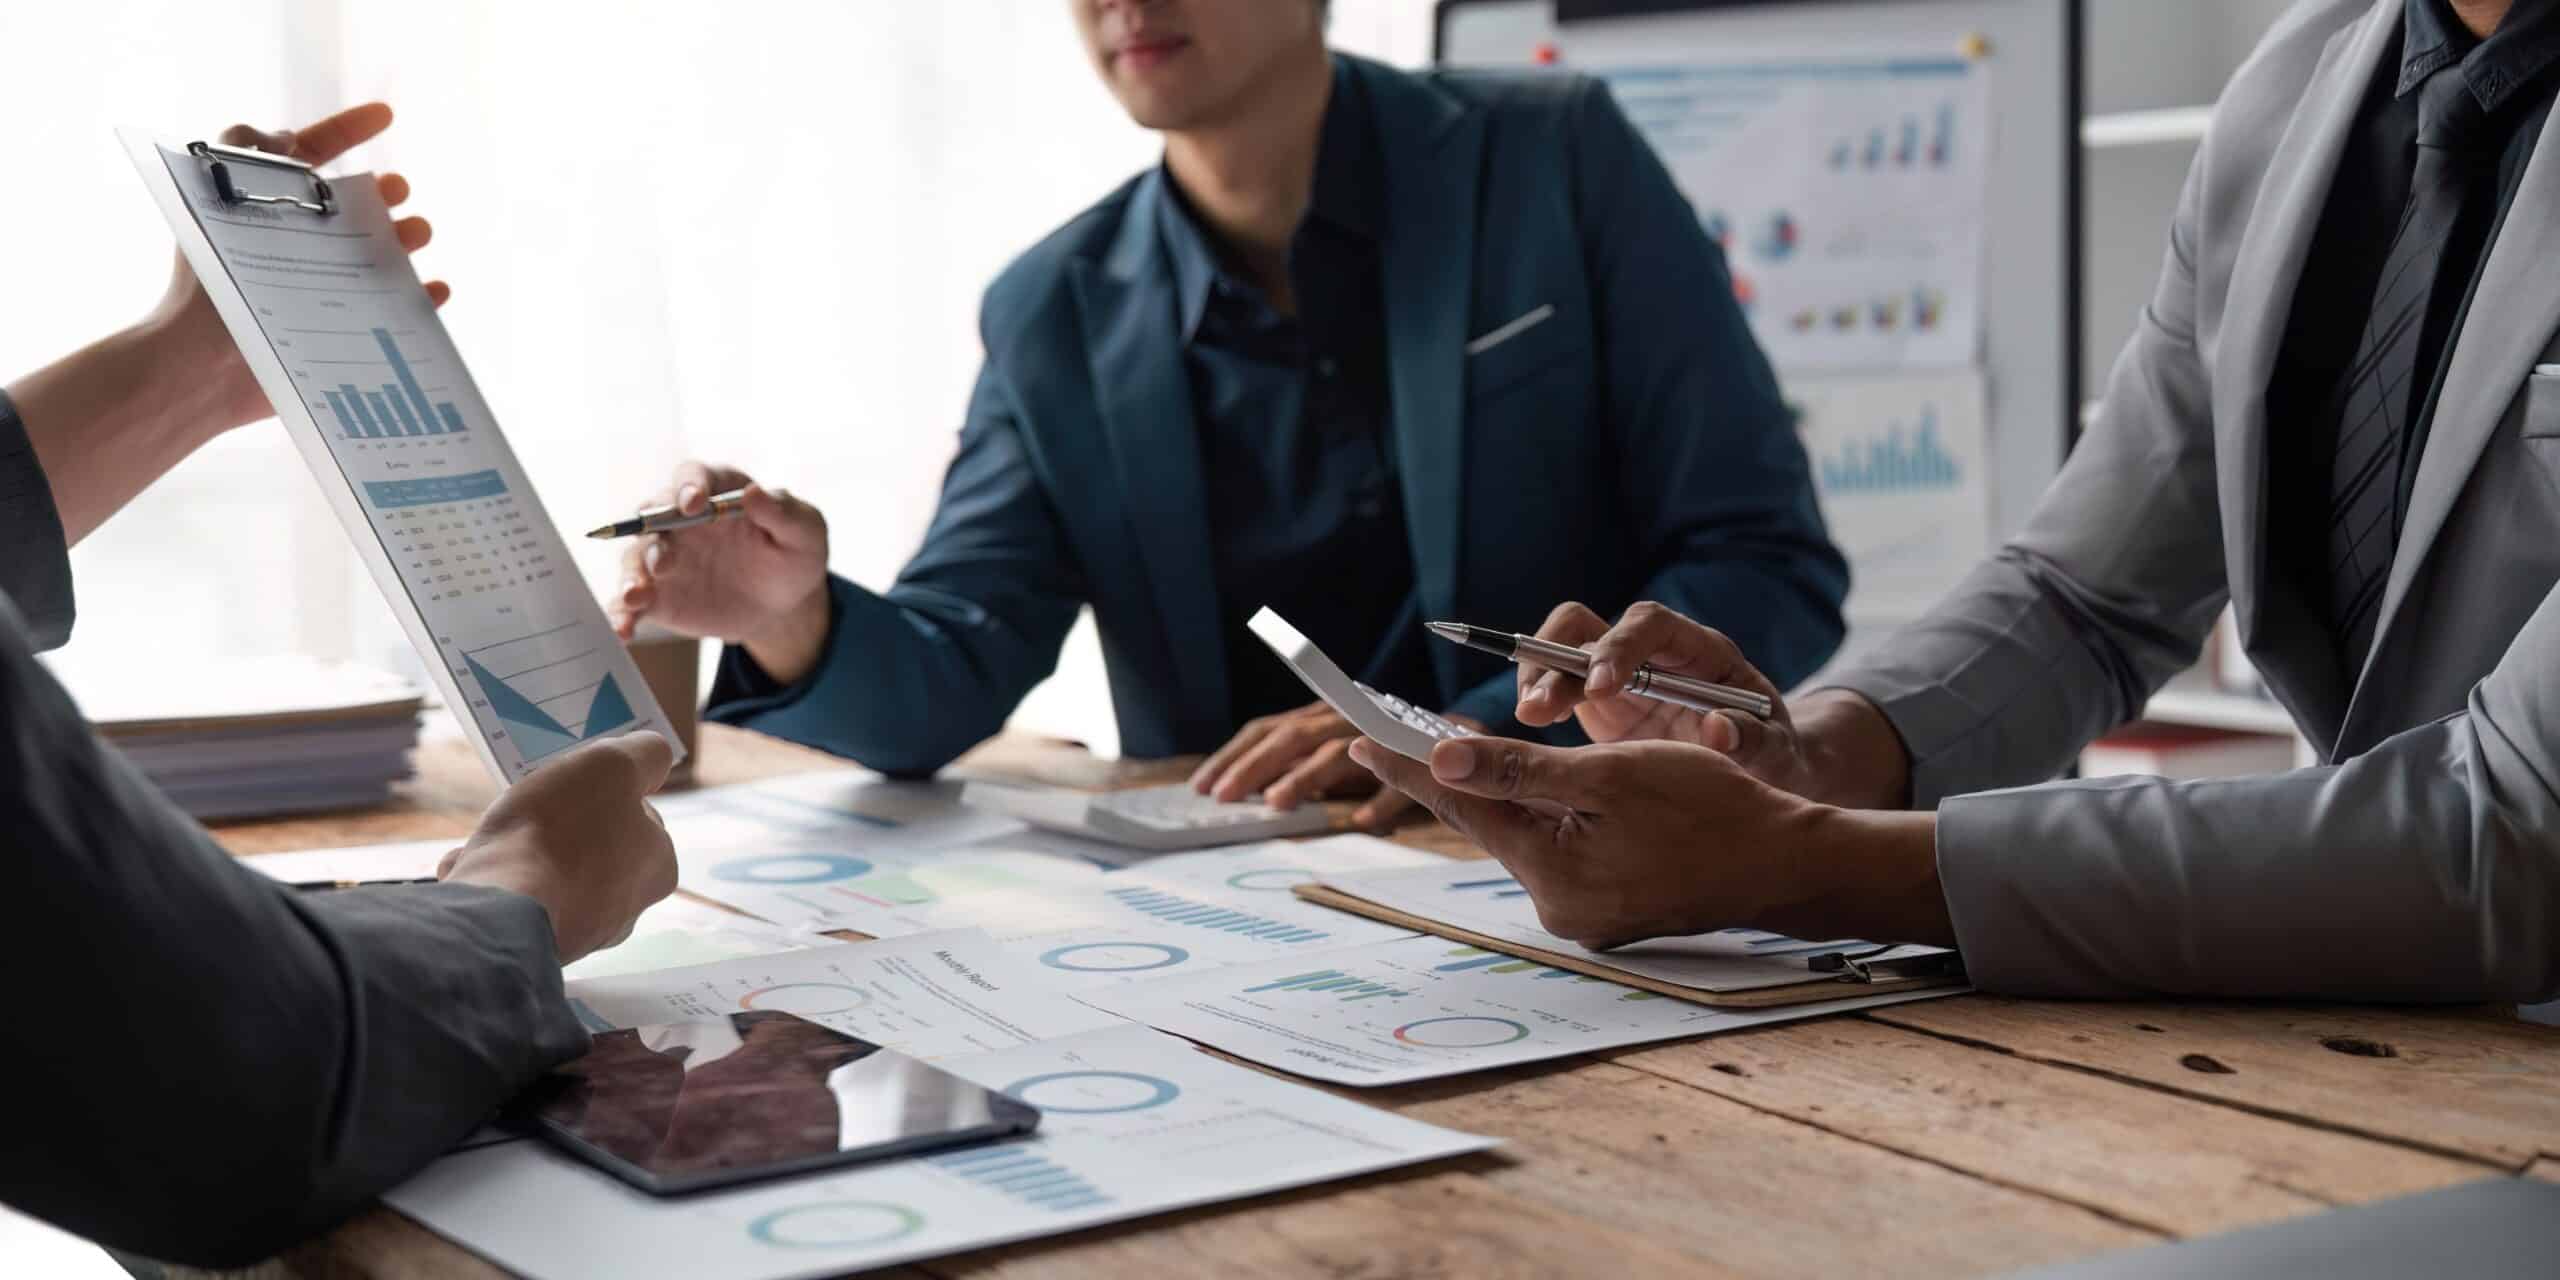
(35, 560)
(209, 1067)
(2108, 591)
(2426, 869)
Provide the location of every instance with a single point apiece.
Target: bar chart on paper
(1890, 463)
(1900, 463)
(399, 407)
(347, 345)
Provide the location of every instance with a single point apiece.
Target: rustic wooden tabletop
(1955, 1137)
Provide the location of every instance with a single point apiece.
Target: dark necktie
(2384, 389)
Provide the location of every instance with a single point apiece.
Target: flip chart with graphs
(346, 344)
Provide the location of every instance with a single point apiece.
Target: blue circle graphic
(1167, 954)
(791, 868)
(836, 1224)
(1159, 1091)
(1270, 879)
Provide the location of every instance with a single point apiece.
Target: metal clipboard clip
(218, 160)
(1866, 966)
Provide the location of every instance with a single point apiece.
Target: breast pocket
(1512, 352)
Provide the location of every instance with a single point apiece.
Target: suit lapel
(2262, 286)
(1132, 328)
(1433, 151)
(2510, 320)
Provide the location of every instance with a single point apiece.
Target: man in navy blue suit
(1369, 347)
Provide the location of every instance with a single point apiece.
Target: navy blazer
(1629, 445)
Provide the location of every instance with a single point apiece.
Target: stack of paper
(240, 737)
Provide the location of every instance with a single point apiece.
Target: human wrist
(182, 377)
(514, 873)
(1863, 873)
(1854, 753)
(788, 648)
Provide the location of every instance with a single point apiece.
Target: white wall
(750, 232)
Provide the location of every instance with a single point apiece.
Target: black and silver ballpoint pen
(670, 519)
(1661, 686)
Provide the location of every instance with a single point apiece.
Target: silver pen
(1661, 686)
(670, 519)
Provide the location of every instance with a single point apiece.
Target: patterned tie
(2383, 391)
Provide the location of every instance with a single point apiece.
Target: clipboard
(311, 281)
(1827, 977)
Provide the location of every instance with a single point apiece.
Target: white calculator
(1396, 724)
(1158, 819)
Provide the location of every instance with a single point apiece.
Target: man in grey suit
(207, 1066)
(2341, 413)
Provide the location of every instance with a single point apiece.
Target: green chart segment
(1495, 962)
(1334, 982)
(536, 732)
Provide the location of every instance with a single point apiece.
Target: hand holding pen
(715, 554)
(671, 517)
(1652, 675)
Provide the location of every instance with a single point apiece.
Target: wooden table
(1951, 1137)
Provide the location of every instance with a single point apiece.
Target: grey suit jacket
(2423, 861)
(202, 1066)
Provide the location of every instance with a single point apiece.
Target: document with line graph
(311, 280)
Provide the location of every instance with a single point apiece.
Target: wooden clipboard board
(1814, 987)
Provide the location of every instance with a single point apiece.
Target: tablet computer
(688, 1106)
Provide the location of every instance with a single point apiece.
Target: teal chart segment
(537, 732)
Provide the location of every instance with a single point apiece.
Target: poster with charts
(1846, 189)
(1424, 1008)
(344, 341)
(1901, 463)
(1134, 1123)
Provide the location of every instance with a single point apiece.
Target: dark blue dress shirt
(1304, 510)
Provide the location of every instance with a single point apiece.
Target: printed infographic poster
(1847, 192)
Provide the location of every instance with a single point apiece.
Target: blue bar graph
(1022, 1173)
(1892, 464)
(400, 369)
(1331, 981)
(1175, 909)
(386, 424)
(352, 418)
(408, 424)
(398, 408)
(355, 407)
